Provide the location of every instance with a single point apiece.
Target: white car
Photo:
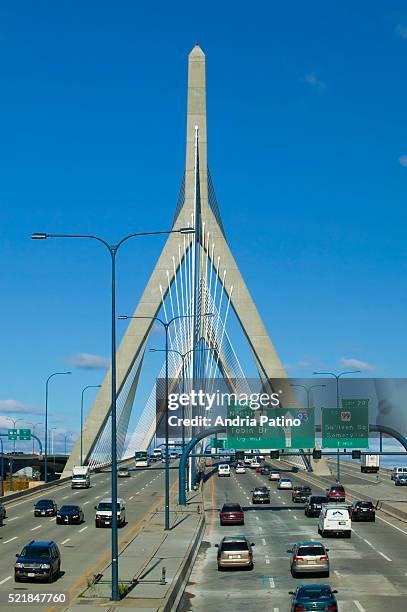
(255, 463)
(285, 483)
(274, 475)
(240, 469)
(335, 519)
(224, 469)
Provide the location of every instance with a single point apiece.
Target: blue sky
(307, 149)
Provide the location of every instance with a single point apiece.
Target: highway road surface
(369, 570)
(81, 546)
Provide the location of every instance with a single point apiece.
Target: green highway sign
(217, 443)
(270, 428)
(24, 434)
(12, 434)
(346, 427)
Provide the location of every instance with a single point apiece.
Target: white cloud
(85, 361)
(403, 161)
(302, 364)
(356, 364)
(15, 407)
(313, 81)
(401, 31)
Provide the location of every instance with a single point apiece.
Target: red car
(259, 469)
(336, 493)
(231, 514)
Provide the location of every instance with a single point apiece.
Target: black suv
(261, 495)
(301, 493)
(69, 514)
(314, 504)
(38, 561)
(45, 507)
(362, 511)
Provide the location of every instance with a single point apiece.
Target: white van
(335, 519)
(103, 516)
(396, 471)
(224, 469)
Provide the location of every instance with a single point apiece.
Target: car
(265, 471)
(309, 558)
(259, 469)
(38, 560)
(336, 493)
(274, 475)
(223, 469)
(123, 472)
(301, 493)
(313, 597)
(285, 483)
(334, 519)
(247, 460)
(231, 514)
(45, 507)
(362, 511)
(400, 480)
(240, 469)
(314, 504)
(255, 463)
(2, 512)
(103, 516)
(69, 514)
(397, 471)
(260, 495)
(235, 552)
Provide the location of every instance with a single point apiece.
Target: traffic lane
(386, 535)
(276, 530)
(77, 551)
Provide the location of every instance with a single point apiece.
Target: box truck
(370, 463)
(80, 477)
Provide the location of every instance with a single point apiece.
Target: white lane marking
(104, 492)
(284, 503)
(86, 502)
(275, 609)
(295, 518)
(5, 580)
(130, 498)
(83, 529)
(289, 509)
(271, 583)
(65, 541)
(359, 605)
(10, 540)
(384, 556)
(37, 527)
(13, 519)
(257, 518)
(267, 560)
(391, 525)
(65, 497)
(337, 573)
(51, 519)
(263, 541)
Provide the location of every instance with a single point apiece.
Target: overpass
(16, 462)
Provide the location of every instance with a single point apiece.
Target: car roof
(108, 500)
(310, 544)
(41, 543)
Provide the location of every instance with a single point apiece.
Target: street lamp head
(186, 230)
(122, 317)
(39, 236)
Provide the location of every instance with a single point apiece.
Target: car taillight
(299, 559)
(332, 607)
(299, 608)
(373, 509)
(323, 558)
(356, 510)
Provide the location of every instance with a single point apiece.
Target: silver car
(309, 558)
(235, 552)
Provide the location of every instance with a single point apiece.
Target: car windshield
(69, 509)
(260, 490)
(337, 490)
(227, 546)
(285, 480)
(306, 551)
(34, 552)
(365, 504)
(314, 593)
(107, 506)
(44, 503)
(231, 508)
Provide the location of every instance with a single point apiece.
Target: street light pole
(308, 389)
(112, 249)
(46, 422)
(33, 426)
(337, 377)
(14, 421)
(83, 391)
(166, 325)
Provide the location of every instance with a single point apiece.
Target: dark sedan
(313, 597)
(301, 493)
(70, 514)
(45, 507)
(231, 514)
(362, 511)
(314, 504)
